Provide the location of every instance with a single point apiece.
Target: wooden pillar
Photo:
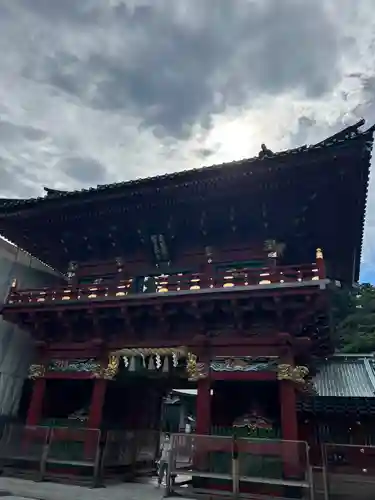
(35, 411)
(288, 400)
(95, 418)
(320, 264)
(97, 403)
(203, 426)
(289, 428)
(204, 406)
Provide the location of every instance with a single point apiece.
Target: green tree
(354, 319)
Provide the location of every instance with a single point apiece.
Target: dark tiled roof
(193, 175)
(22, 221)
(347, 377)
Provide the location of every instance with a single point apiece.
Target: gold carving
(319, 253)
(110, 371)
(195, 370)
(296, 374)
(112, 368)
(36, 371)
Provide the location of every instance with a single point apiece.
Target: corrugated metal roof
(348, 378)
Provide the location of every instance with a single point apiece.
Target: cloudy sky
(97, 91)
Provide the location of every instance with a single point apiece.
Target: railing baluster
(174, 283)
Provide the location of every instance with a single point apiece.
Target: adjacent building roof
(350, 376)
(341, 376)
(17, 256)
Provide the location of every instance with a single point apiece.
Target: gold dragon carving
(295, 374)
(110, 371)
(298, 375)
(195, 370)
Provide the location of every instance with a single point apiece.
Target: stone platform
(21, 489)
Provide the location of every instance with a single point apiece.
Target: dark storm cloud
(204, 153)
(94, 91)
(99, 90)
(68, 11)
(15, 178)
(85, 170)
(235, 49)
(168, 67)
(9, 132)
(304, 126)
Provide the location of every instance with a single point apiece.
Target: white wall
(16, 345)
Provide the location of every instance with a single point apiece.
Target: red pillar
(289, 427)
(95, 418)
(35, 411)
(97, 403)
(289, 422)
(204, 406)
(320, 264)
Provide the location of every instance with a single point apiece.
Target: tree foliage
(354, 319)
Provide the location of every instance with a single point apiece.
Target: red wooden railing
(171, 283)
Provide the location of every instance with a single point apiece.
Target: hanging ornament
(126, 361)
(174, 359)
(158, 361)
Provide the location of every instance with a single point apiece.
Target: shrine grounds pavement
(21, 489)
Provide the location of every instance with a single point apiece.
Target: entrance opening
(252, 408)
(67, 402)
(133, 403)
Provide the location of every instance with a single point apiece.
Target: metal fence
(197, 463)
(24, 447)
(47, 453)
(347, 472)
(119, 450)
(147, 448)
(129, 453)
(73, 451)
(238, 466)
(79, 454)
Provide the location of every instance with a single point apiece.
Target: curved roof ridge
(344, 135)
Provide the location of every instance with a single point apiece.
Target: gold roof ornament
(319, 254)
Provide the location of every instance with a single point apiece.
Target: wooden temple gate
(60, 451)
(201, 266)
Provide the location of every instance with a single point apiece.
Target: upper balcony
(211, 281)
